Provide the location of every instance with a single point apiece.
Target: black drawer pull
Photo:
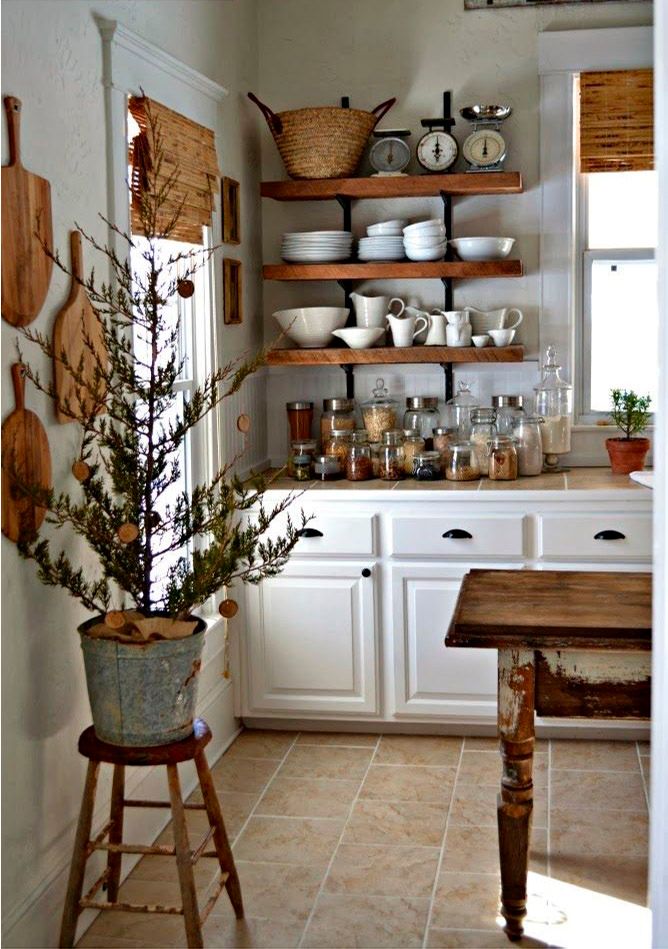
(309, 532)
(609, 535)
(366, 572)
(457, 533)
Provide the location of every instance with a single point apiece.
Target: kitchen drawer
(460, 537)
(599, 537)
(329, 534)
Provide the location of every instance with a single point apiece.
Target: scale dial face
(437, 151)
(484, 147)
(389, 154)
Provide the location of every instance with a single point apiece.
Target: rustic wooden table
(571, 644)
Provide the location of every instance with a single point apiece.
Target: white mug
(370, 311)
(404, 329)
(458, 335)
(436, 335)
(502, 337)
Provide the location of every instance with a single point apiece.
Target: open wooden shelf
(343, 356)
(411, 186)
(459, 269)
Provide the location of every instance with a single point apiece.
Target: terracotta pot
(627, 454)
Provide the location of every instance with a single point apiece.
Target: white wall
(52, 61)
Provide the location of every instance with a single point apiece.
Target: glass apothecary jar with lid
(554, 402)
(413, 443)
(336, 414)
(422, 414)
(458, 410)
(358, 462)
(428, 466)
(508, 408)
(462, 462)
(300, 459)
(502, 464)
(391, 467)
(379, 412)
(529, 444)
(483, 428)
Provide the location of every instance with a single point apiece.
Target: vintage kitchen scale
(485, 148)
(390, 155)
(437, 150)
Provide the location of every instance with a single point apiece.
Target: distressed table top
(550, 609)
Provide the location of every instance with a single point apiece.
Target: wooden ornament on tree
(127, 533)
(244, 424)
(115, 619)
(185, 288)
(81, 471)
(228, 608)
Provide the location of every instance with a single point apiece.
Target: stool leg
(116, 832)
(223, 848)
(79, 857)
(184, 860)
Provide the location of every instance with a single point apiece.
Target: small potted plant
(630, 413)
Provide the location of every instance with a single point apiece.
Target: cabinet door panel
(605, 537)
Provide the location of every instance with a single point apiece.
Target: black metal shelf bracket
(350, 380)
(447, 369)
(448, 293)
(346, 204)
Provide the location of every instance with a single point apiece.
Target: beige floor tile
(383, 871)
(466, 901)
(484, 767)
(90, 941)
(261, 744)
(247, 775)
(473, 743)
(154, 892)
(597, 832)
(308, 761)
(220, 932)
(275, 891)
(644, 748)
(152, 930)
(345, 739)
(646, 764)
(476, 850)
(163, 870)
(475, 805)
(409, 783)
(621, 877)
(573, 755)
(288, 840)
(308, 797)
(367, 921)
(604, 790)
(197, 823)
(472, 939)
(235, 805)
(401, 822)
(419, 750)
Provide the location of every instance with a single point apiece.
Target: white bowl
(480, 341)
(421, 227)
(387, 227)
(436, 252)
(483, 248)
(428, 241)
(360, 337)
(311, 327)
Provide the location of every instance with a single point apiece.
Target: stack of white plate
(381, 248)
(317, 247)
(425, 240)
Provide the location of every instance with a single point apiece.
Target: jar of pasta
(339, 444)
(392, 456)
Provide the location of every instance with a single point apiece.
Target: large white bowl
(429, 240)
(360, 337)
(424, 227)
(436, 252)
(483, 248)
(311, 327)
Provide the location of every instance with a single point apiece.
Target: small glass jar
(554, 401)
(375, 448)
(462, 462)
(502, 459)
(327, 468)
(508, 408)
(392, 456)
(428, 466)
(413, 443)
(339, 445)
(442, 438)
(529, 444)
(379, 412)
(302, 467)
(483, 428)
(300, 450)
(422, 414)
(300, 420)
(458, 410)
(338, 414)
(358, 462)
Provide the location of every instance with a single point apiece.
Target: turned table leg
(515, 802)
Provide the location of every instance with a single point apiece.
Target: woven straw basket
(322, 142)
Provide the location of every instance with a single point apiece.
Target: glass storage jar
(483, 427)
(529, 444)
(338, 414)
(392, 456)
(379, 412)
(300, 420)
(358, 462)
(554, 402)
(458, 410)
(428, 466)
(375, 458)
(442, 437)
(462, 462)
(327, 468)
(301, 456)
(422, 413)
(339, 444)
(508, 408)
(413, 443)
(502, 458)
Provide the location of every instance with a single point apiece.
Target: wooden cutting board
(75, 324)
(25, 453)
(26, 218)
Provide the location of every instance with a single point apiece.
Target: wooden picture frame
(230, 208)
(232, 292)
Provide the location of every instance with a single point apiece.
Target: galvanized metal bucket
(142, 693)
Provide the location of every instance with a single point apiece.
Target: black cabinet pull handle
(457, 534)
(609, 535)
(309, 532)
(366, 572)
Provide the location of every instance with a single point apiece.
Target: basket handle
(381, 110)
(273, 120)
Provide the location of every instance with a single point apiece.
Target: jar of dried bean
(392, 456)
(379, 412)
(428, 466)
(502, 459)
(413, 443)
(358, 464)
(339, 443)
(442, 437)
(462, 462)
(336, 414)
(483, 427)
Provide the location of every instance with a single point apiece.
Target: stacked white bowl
(425, 240)
(384, 241)
(317, 246)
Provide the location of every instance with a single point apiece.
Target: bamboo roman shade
(188, 153)
(616, 121)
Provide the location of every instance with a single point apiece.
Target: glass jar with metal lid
(327, 468)
(379, 412)
(336, 413)
(529, 444)
(458, 410)
(413, 443)
(422, 413)
(483, 427)
(508, 408)
(300, 420)
(428, 466)
(391, 466)
(358, 462)
(462, 462)
(502, 464)
(300, 459)
(339, 445)
(442, 439)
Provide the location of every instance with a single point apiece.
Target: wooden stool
(169, 755)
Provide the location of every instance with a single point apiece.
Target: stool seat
(90, 746)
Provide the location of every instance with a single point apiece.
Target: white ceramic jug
(371, 311)
(403, 328)
(458, 335)
(436, 335)
(483, 321)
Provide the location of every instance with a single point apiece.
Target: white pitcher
(371, 311)
(507, 317)
(436, 335)
(458, 335)
(403, 328)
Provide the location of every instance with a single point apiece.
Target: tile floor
(365, 841)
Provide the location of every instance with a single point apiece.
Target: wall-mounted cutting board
(26, 219)
(25, 453)
(75, 324)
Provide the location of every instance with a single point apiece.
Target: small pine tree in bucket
(630, 413)
(162, 549)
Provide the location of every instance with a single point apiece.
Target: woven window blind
(616, 120)
(188, 153)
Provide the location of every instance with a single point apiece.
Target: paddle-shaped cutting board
(26, 457)
(26, 218)
(77, 332)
